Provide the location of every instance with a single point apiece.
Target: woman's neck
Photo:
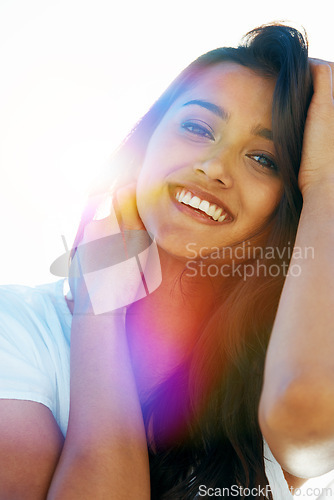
(163, 328)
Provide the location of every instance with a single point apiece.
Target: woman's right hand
(106, 434)
(116, 262)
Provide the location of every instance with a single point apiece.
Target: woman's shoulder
(36, 309)
(34, 346)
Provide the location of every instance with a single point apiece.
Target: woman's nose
(215, 169)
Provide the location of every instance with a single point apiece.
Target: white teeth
(204, 206)
(181, 195)
(194, 202)
(211, 210)
(217, 213)
(187, 197)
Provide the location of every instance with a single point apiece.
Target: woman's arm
(105, 450)
(296, 411)
(30, 447)
(104, 455)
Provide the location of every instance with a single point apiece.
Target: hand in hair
(116, 262)
(297, 403)
(317, 164)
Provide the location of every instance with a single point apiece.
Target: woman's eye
(198, 129)
(264, 161)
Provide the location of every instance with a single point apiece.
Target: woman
(168, 397)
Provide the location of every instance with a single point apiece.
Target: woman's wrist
(319, 198)
(100, 323)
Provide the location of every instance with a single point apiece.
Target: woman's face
(209, 177)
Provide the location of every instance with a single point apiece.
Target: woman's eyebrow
(266, 133)
(217, 110)
(260, 131)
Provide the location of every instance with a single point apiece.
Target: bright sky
(75, 76)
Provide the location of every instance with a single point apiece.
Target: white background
(75, 75)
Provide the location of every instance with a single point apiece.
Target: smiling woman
(218, 151)
(193, 381)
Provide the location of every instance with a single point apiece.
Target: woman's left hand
(317, 163)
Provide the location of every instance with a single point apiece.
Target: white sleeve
(278, 486)
(26, 367)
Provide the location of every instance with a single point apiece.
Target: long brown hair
(216, 391)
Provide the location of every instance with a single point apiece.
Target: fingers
(126, 208)
(105, 221)
(115, 234)
(322, 75)
(115, 213)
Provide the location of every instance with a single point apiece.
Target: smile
(213, 211)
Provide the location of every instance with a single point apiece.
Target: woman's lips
(197, 205)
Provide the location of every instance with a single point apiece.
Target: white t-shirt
(35, 327)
